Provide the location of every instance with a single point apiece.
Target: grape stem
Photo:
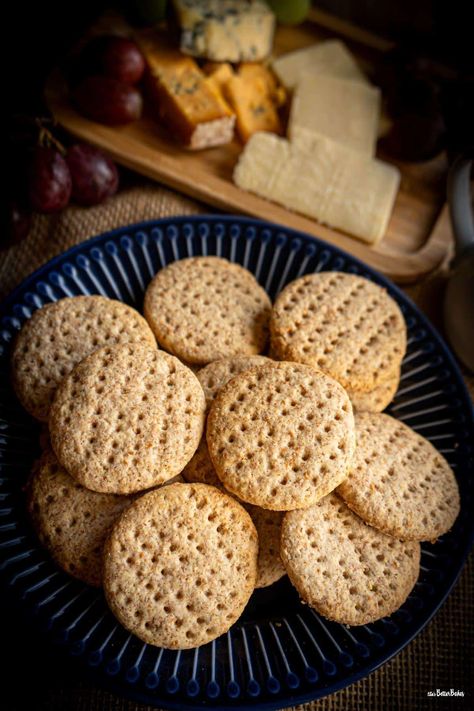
(46, 138)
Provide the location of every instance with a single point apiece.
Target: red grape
(108, 100)
(116, 57)
(122, 60)
(94, 175)
(49, 187)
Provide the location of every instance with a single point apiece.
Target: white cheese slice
(225, 30)
(331, 57)
(342, 110)
(324, 180)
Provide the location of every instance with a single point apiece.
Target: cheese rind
(225, 30)
(322, 179)
(331, 57)
(254, 95)
(344, 111)
(185, 99)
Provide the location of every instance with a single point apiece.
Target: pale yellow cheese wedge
(322, 179)
(331, 57)
(344, 111)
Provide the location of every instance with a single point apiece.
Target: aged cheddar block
(331, 57)
(225, 30)
(183, 97)
(324, 180)
(254, 95)
(342, 110)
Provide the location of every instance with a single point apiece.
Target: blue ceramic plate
(280, 652)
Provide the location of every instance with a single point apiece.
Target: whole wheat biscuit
(127, 418)
(268, 525)
(216, 374)
(281, 436)
(343, 324)
(206, 308)
(60, 335)
(71, 521)
(180, 565)
(212, 377)
(346, 570)
(399, 482)
(377, 399)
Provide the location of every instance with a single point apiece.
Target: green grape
(290, 12)
(151, 11)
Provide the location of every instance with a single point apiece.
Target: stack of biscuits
(218, 442)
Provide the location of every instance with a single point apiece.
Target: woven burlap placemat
(439, 658)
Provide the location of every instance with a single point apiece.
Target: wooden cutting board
(418, 237)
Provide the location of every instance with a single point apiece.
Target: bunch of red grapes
(103, 78)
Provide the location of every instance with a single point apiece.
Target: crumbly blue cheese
(225, 30)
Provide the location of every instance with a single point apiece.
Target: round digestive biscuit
(180, 565)
(60, 335)
(71, 521)
(343, 324)
(399, 482)
(216, 374)
(127, 418)
(268, 525)
(212, 377)
(206, 308)
(347, 571)
(281, 436)
(377, 399)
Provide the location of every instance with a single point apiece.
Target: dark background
(36, 35)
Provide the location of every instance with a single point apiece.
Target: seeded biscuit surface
(399, 482)
(180, 565)
(71, 521)
(347, 571)
(375, 400)
(206, 308)
(60, 335)
(281, 436)
(343, 324)
(127, 418)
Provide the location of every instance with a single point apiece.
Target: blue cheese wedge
(330, 57)
(322, 179)
(225, 30)
(342, 110)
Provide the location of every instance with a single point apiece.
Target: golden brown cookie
(281, 436)
(268, 525)
(206, 308)
(180, 565)
(399, 482)
(127, 418)
(343, 324)
(71, 521)
(60, 335)
(212, 377)
(346, 570)
(216, 374)
(377, 399)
